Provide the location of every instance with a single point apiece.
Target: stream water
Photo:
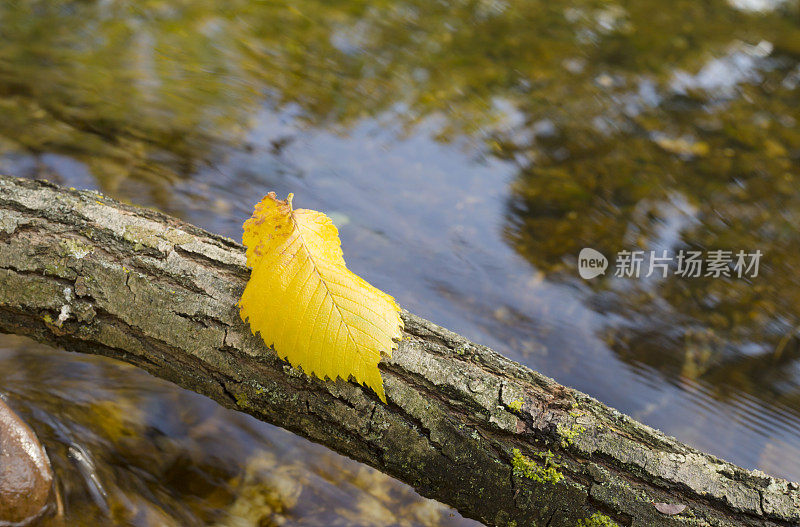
(467, 150)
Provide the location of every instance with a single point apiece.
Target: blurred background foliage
(467, 150)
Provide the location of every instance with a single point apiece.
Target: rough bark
(463, 424)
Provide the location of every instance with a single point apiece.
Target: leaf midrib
(310, 254)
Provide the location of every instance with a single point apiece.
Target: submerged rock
(26, 477)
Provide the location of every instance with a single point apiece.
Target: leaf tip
(380, 393)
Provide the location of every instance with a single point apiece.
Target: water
(467, 151)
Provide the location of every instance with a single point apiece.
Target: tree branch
(463, 425)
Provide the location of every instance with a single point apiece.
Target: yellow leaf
(314, 311)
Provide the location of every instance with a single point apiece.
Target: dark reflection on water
(467, 150)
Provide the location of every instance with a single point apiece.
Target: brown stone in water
(25, 474)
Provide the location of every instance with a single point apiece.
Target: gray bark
(83, 272)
